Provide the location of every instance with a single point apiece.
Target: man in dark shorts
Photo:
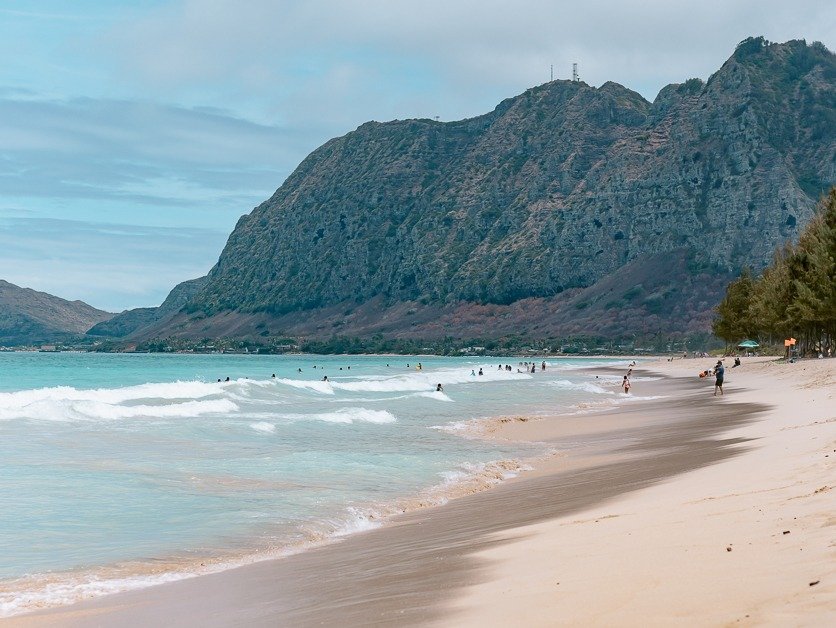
(719, 373)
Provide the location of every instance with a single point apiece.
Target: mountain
(567, 209)
(129, 322)
(28, 317)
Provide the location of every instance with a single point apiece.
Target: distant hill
(128, 323)
(567, 209)
(28, 317)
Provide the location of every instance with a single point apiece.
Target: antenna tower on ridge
(575, 77)
(552, 72)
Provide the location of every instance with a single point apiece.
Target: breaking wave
(581, 386)
(345, 415)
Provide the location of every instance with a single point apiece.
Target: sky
(134, 134)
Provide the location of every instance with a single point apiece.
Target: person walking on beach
(625, 384)
(719, 373)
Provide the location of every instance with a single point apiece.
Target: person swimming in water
(325, 378)
(439, 388)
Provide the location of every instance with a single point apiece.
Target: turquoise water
(119, 471)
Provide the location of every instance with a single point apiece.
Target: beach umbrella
(748, 344)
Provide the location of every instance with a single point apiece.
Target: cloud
(140, 151)
(261, 46)
(112, 266)
(116, 201)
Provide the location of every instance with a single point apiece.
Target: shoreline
(74, 587)
(132, 576)
(652, 448)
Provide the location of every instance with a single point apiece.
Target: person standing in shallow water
(625, 384)
(719, 375)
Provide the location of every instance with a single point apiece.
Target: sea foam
(345, 415)
(63, 409)
(580, 386)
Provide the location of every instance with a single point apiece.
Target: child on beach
(625, 384)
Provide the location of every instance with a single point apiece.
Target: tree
(813, 275)
(734, 320)
(771, 297)
(795, 295)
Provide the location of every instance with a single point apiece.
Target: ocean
(119, 471)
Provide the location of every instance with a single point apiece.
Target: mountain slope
(130, 322)
(552, 192)
(28, 317)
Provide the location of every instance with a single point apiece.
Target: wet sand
(418, 568)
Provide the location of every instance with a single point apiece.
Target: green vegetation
(794, 297)
(378, 344)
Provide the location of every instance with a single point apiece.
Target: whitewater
(122, 471)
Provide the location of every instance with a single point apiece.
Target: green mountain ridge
(567, 209)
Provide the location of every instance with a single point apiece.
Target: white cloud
(111, 266)
(142, 152)
(469, 45)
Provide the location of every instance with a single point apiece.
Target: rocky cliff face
(28, 317)
(543, 198)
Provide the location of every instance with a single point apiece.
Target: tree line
(795, 296)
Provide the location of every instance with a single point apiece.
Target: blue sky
(133, 135)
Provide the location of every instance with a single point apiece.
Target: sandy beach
(746, 541)
(682, 509)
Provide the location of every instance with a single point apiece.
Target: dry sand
(685, 510)
(739, 542)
